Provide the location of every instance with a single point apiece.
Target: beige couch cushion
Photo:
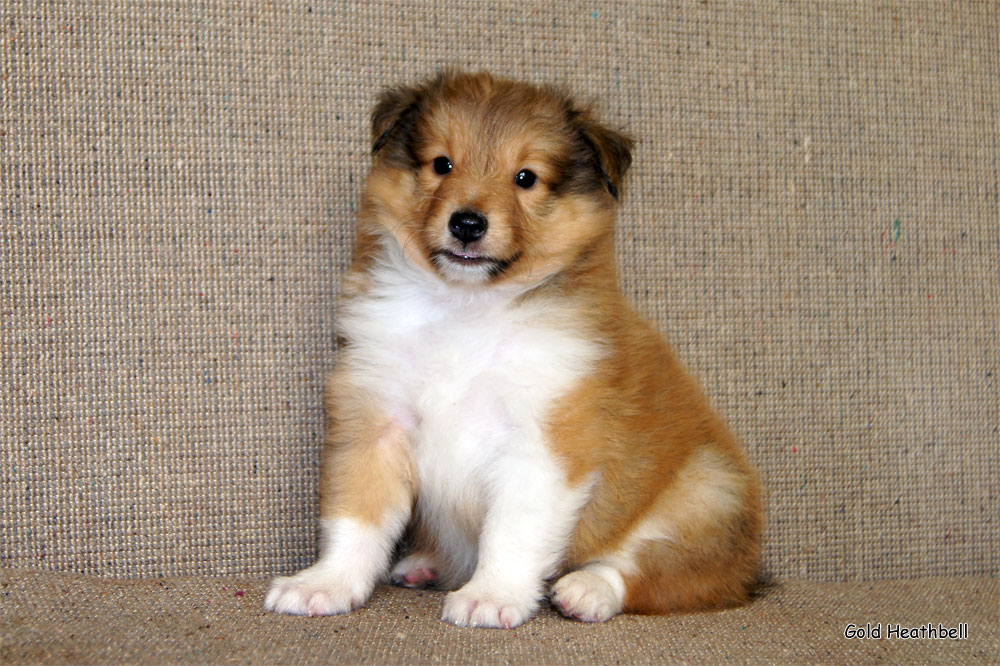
(812, 218)
(56, 618)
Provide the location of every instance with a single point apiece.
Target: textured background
(812, 219)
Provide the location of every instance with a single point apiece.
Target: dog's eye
(525, 178)
(442, 165)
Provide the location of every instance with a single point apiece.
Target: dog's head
(484, 180)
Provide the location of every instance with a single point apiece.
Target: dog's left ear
(612, 152)
(393, 115)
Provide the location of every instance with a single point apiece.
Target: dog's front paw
(315, 591)
(586, 596)
(473, 606)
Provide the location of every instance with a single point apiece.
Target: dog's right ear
(612, 153)
(394, 115)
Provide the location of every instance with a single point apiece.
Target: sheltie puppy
(498, 410)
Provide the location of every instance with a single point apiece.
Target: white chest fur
(472, 376)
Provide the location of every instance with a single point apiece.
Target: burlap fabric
(812, 219)
(218, 620)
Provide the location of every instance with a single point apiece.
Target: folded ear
(612, 152)
(393, 115)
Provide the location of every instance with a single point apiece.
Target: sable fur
(648, 505)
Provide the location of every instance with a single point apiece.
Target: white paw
(315, 591)
(414, 571)
(586, 596)
(472, 606)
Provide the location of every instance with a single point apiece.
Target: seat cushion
(56, 617)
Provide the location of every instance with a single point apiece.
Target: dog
(497, 407)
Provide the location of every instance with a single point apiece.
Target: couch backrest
(812, 218)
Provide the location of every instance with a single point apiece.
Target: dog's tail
(764, 584)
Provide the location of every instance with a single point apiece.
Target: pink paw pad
(416, 578)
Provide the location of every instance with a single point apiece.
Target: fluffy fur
(497, 406)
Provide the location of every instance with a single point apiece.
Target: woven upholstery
(212, 620)
(812, 219)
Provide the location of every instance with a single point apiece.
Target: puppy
(497, 405)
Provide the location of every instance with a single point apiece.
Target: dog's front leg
(527, 526)
(367, 488)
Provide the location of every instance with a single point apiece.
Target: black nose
(467, 225)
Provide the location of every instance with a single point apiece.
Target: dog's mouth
(465, 258)
(470, 259)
